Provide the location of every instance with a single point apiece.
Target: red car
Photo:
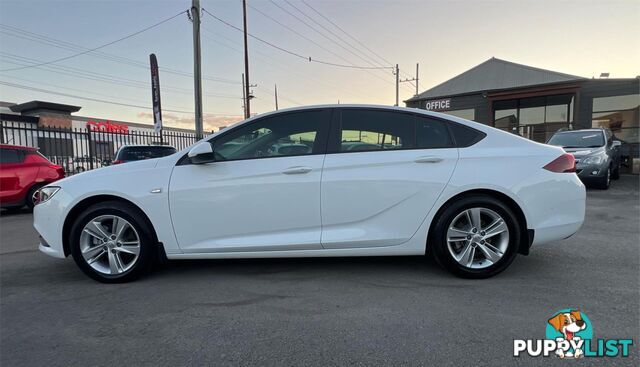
(23, 170)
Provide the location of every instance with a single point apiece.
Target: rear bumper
(555, 205)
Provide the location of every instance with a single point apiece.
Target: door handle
(429, 159)
(297, 170)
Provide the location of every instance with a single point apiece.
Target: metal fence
(81, 149)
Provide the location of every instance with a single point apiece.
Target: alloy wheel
(477, 238)
(110, 244)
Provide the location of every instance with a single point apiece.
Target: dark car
(596, 151)
(129, 153)
(23, 170)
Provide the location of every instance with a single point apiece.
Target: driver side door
(262, 192)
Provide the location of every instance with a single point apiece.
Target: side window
(369, 130)
(8, 156)
(290, 134)
(465, 136)
(432, 133)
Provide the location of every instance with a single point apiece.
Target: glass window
(431, 133)
(506, 114)
(468, 114)
(578, 139)
(620, 114)
(367, 130)
(283, 135)
(464, 135)
(10, 156)
(535, 118)
(140, 153)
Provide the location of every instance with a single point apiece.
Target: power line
(20, 86)
(349, 46)
(345, 32)
(39, 38)
(269, 60)
(300, 34)
(101, 77)
(101, 46)
(292, 53)
(385, 61)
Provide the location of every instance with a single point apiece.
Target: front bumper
(48, 221)
(587, 172)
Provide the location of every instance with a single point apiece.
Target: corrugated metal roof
(495, 74)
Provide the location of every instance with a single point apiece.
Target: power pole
(417, 77)
(197, 76)
(244, 99)
(413, 79)
(276, 95)
(397, 85)
(247, 102)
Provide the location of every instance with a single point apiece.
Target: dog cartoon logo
(570, 326)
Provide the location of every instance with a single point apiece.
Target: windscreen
(578, 139)
(140, 153)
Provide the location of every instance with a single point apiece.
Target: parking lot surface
(347, 311)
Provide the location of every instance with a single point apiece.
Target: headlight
(46, 193)
(596, 159)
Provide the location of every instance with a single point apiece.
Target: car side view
(596, 151)
(319, 181)
(23, 170)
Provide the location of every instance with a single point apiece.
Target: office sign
(438, 105)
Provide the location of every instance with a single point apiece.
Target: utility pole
(413, 79)
(397, 85)
(276, 94)
(244, 99)
(417, 76)
(197, 76)
(247, 102)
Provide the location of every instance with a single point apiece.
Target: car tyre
(491, 210)
(603, 183)
(615, 174)
(84, 244)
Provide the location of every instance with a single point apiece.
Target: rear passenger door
(383, 173)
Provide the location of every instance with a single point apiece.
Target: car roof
(418, 111)
(9, 146)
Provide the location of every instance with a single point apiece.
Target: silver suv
(597, 154)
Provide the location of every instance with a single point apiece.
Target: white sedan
(361, 181)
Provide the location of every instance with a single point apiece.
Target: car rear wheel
(615, 174)
(112, 243)
(476, 237)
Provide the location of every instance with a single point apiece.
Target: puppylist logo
(569, 335)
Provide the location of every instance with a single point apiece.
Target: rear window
(140, 153)
(8, 156)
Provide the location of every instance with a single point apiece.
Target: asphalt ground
(300, 312)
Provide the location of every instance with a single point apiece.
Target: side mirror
(616, 143)
(201, 153)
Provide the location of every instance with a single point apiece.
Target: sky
(446, 38)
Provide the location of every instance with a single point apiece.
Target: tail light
(59, 170)
(117, 161)
(564, 163)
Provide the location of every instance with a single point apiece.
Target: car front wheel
(476, 237)
(111, 242)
